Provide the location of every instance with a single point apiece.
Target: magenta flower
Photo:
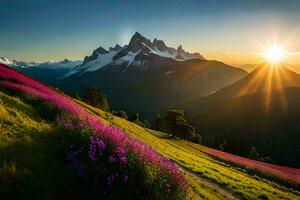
(112, 159)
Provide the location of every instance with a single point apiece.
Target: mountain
(49, 72)
(5, 61)
(264, 79)
(16, 63)
(49, 153)
(148, 77)
(261, 110)
(249, 67)
(139, 46)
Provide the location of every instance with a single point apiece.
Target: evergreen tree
(96, 98)
(134, 117)
(253, 154)
(175, 124)
(120, 113)
(159, 124)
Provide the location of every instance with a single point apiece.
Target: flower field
(104, 157)
(282, 172)
(194, 157)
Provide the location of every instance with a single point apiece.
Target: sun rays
(270, 82)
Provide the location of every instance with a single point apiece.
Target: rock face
(160, 45)
(94, 55)
(116, 48)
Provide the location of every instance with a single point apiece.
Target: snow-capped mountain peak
(16, 63)
(99, 58)
(138, 52)
(5, 61)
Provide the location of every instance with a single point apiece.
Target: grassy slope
(30, 161)
(192, 157)
(29, 164)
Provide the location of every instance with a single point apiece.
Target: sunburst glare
(274, 54)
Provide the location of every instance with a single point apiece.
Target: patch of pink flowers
(286, 173)
(146, 156)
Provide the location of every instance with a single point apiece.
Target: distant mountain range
(14, 62)
(49, 72)
(261, 110)
(149, 77)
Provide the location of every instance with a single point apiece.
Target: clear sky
(231, 31)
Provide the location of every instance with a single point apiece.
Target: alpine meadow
(149, 100)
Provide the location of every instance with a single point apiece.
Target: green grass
(192, 157)
(30, 164)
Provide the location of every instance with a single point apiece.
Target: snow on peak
(126, 55)
(100, 59)
(130, 57)
(5, 61)
(159, 47)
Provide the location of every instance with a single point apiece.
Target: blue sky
(52, 30)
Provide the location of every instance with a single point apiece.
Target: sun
(274, 54)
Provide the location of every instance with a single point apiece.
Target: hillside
(264, 79)
(260, 110)
(103, 160)
(30, 151)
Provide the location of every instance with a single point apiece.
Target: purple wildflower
(96, 147)
(112, 159)
(125, 179)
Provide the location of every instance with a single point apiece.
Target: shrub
(135, 118)
(120, 113)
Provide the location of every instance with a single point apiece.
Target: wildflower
(120, 152)
(96, 147)
(111, 159)
(80, 125)
(122, 160)
(125, 179)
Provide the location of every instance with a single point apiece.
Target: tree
(175, 124)
(159, 124)
(96, 98)
(253, 154)
(120, 113)
(146, 124)
(134, 117)
(173, 119)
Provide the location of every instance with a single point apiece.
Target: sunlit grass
(193, 157)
